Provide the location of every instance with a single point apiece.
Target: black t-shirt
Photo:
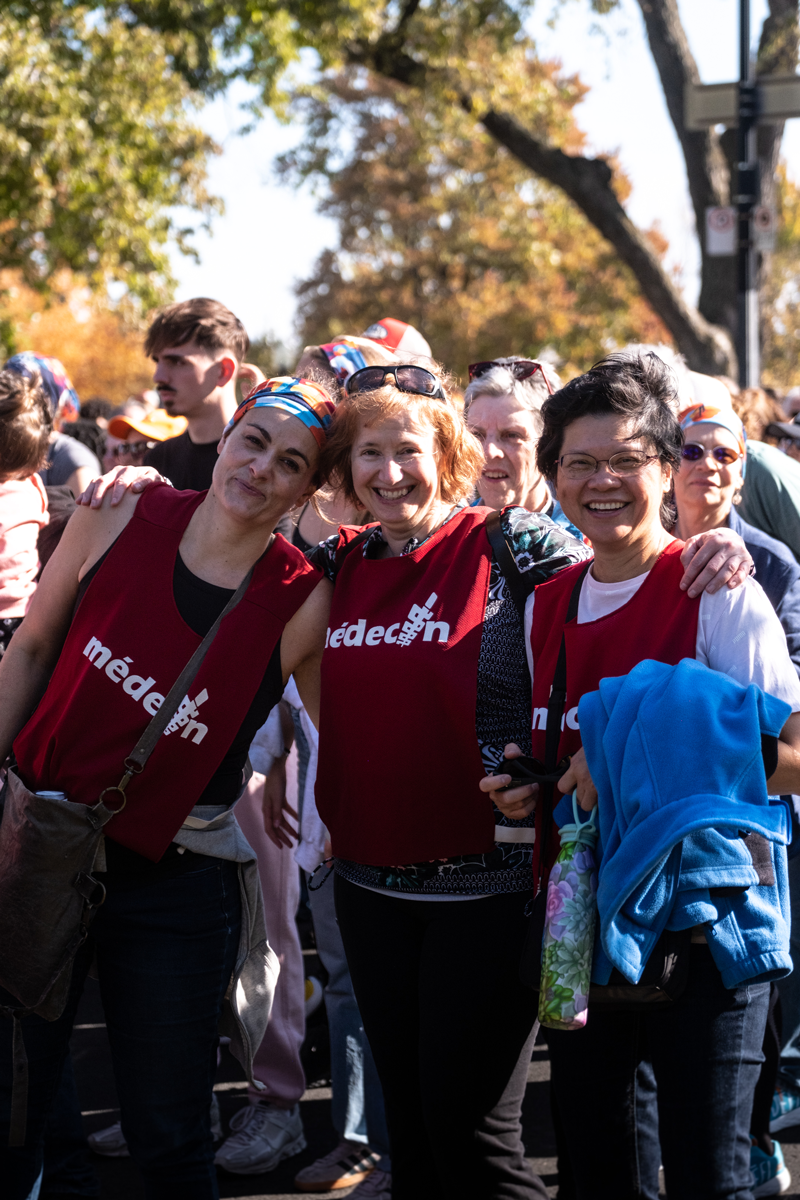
(186, 464)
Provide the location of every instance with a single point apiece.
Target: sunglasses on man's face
(521, 368)
(693, 452)
(131, 449)
(418, 381)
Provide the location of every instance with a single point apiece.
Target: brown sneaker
(345, 1166)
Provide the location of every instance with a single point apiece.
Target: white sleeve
(739, 634)
(528, 628)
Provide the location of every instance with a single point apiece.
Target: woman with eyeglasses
(502, 408)
(611, 445)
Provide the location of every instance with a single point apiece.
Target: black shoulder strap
(558, 692)
(507, 563)
(342, 554)
(555, 711)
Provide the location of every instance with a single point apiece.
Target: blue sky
(270, 235)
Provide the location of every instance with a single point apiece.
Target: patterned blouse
(503, 711)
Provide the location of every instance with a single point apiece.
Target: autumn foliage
(103, 354)
(441, 228)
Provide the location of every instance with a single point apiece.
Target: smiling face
(708, 485)
(267, 464)
(508, 433)
(395, 467)
(617, 513)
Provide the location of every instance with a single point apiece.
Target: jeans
(67, 1169)
(357, 1099)
(452, 1030)
(276, 1063)
(705, 1053)
(165, 953)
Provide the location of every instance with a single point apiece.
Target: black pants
(452, 1030)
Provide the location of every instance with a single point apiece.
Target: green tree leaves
(96, 145)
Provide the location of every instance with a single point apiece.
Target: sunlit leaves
(439, 227)
(97, 144)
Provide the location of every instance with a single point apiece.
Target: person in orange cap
(138, 435)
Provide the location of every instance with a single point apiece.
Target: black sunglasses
(693, 452)
(520, 368)
(406, 378)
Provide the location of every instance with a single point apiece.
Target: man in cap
(788, 433)
(136, 436)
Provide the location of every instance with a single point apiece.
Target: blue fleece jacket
(675, 754)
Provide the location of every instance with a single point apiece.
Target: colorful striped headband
(303, 399)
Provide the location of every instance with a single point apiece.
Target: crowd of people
(420, 600)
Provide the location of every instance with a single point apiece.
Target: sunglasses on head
(693, 452)
(418, 381)
(521, 368)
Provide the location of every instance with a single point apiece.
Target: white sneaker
(377, 1186)
(110, 1142)
(264, 1136)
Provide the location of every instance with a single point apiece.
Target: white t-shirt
(738, 632)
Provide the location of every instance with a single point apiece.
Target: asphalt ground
(119, 1179)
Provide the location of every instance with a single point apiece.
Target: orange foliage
(103, 355)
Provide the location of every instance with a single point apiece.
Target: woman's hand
(517, 803)
(276, 807)
(577, 776)
(118, 482)
(714, 559)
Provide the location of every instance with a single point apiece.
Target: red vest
(659, 622)
(126, 646)
(399, 764)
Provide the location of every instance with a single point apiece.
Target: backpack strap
(507, 563)
(343, 551)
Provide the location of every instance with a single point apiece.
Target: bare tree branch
(587, 182)
(707, 348)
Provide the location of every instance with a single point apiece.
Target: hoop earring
(737, 497)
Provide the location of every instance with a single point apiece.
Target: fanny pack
(48, 895)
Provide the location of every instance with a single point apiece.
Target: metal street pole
(746, 199)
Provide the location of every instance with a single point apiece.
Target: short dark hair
(641, 387)
(25, 423)
(207, 322)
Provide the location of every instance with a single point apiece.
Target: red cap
(397, 336)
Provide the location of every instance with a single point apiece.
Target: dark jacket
(778, 573)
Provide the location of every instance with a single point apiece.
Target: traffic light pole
(748, 348)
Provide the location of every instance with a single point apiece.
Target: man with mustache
(198, 347)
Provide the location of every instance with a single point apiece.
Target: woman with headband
(123, 604)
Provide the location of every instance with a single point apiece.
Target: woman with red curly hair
(425, 657)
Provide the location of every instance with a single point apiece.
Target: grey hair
(531, 393)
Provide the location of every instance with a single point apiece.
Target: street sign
(707, 104)
(765, 224)
(721, 232)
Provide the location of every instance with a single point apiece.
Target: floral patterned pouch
(569, 926)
